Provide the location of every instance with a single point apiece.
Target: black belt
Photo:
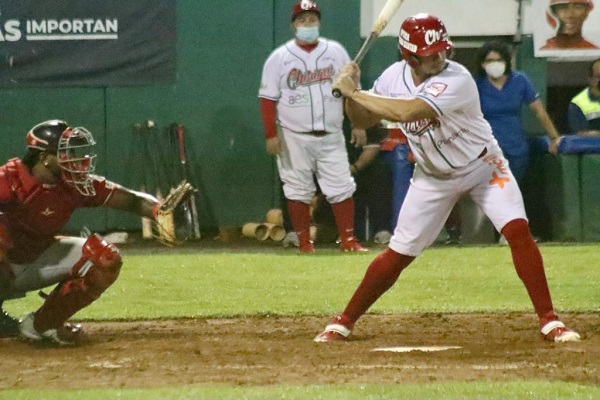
(317, 133)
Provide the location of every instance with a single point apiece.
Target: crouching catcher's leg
(92, 274)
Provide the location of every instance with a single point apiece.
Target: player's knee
(99, 265)
(516, 231)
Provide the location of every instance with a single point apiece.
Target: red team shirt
(32, 213)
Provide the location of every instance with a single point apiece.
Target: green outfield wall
(221, 48)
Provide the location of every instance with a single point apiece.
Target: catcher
(38, 194)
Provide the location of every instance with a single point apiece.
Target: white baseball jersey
(300, 83)
(459, 134)
(456, 154)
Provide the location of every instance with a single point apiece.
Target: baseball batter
(38, 194)
(303, 125)
(436, 100)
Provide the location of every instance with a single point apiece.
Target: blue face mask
(307, 34)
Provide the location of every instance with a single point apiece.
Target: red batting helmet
(73, 148)
(303, 6)
(422, 35)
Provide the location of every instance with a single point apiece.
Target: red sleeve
(104, 189)
(5, 188)
(6, 183)
(268, 109)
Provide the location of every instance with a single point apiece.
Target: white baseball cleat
(66, 335)
(333, 333)
(556, 331)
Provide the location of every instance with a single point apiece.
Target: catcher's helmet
(303, 6)
(422, 35)
(45, 136)
(73, 148)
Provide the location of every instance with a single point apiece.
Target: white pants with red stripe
(487, 180)
(304, 156)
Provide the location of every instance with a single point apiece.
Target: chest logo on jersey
(298, 78)
(47, 212)
(417, 128)
(435, 88)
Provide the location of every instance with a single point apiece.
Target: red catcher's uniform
(32, 213)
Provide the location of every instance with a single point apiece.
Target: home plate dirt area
(280, 350)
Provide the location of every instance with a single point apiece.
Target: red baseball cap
(304, 6)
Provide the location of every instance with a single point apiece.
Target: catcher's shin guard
(96, 270)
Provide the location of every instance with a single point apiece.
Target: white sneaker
(382, 237)
(68, 335)
(291, 239)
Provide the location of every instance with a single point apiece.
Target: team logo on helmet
(432, 36)
(307, 4)
(422, 35)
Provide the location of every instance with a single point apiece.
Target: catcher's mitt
(165, 225)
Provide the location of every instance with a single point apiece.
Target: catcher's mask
(422, 35)
(74, 149)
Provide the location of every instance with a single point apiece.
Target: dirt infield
(270, 351)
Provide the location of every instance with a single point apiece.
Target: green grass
(225, 283)
(473, 390)
(209, 283)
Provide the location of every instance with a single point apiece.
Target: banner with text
(87, 43)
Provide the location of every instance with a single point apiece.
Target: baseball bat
(142, 183)
(386, 13)
(193, 212)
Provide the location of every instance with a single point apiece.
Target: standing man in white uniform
(303, 125)
(437, 103)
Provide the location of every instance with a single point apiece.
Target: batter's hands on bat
(353, 70)
(358, 137)
(348, 80)
(274, 146)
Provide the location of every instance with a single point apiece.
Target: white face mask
(495, 69)
(307, 34)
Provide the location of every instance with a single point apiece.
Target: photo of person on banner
(568, 16)
(568, 19)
